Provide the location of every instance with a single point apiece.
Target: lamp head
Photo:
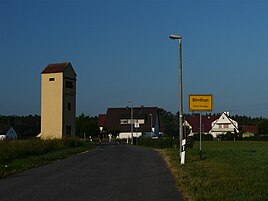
(175, 37)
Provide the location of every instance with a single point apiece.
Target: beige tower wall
(52, 105)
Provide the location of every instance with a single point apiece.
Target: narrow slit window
(51, 79)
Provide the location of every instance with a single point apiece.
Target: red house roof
(56, 68)
(250, 129)
(102, 119)
(194, 121)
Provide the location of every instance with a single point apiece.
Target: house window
(141, 121)
(225, 126)
(69, 84)
(51, 79)
(123, 121)
(68, 130)
(69, 106)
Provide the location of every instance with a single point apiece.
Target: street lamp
(151, 124)
(131, 123)
(179, 38)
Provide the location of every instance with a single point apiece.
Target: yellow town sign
(200, 102)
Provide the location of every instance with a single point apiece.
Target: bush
(190, 142)
(15, 149)
(228, 137)
(205, 137)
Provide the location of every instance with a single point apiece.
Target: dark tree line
(86, 126)
(29, 126)
(25, 126)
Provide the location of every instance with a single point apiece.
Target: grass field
(16, 156)
(230, 171)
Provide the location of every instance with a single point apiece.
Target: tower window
(51, 79)
(68, 130)
(69, 106)
(69, 84)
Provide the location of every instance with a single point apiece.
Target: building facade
(8, 133)
(58, 101)
(224, 125)
(214, 125)
(145, 121)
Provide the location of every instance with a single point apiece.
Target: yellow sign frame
(200, 102)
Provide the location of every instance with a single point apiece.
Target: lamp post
(131, 123)
(179, 38)
(151, 124)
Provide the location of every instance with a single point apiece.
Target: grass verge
(17, 156)
(230, 171)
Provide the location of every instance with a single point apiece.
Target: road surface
(108, 173)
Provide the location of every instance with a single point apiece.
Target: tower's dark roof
(56, 68)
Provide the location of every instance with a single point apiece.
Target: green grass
(16, 156)
(230, 171)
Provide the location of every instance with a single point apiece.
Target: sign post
(200, 103)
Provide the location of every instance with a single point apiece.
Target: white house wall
(128, 135)
(223, 125)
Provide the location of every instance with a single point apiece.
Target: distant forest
(29, 126)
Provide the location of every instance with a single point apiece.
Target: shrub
(205, 137)
(10, 150)
(190, 142)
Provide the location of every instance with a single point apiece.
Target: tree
(25, 126)
(263, 127)
(168, 122)
(87, 126)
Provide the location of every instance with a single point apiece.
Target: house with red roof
(193, 123)
(248, 131)
(214, 125)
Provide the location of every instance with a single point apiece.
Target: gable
(11, 133)
(223, 119)
(69, 71)
(224, 123)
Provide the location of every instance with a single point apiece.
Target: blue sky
(120, 50)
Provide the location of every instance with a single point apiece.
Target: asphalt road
(108, 173)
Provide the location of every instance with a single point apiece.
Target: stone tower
(58, 101)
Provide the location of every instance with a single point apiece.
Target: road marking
(83, 152)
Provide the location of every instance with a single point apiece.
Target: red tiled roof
(55, 68)
(194, 121)
(102, 119)
(251, 129)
